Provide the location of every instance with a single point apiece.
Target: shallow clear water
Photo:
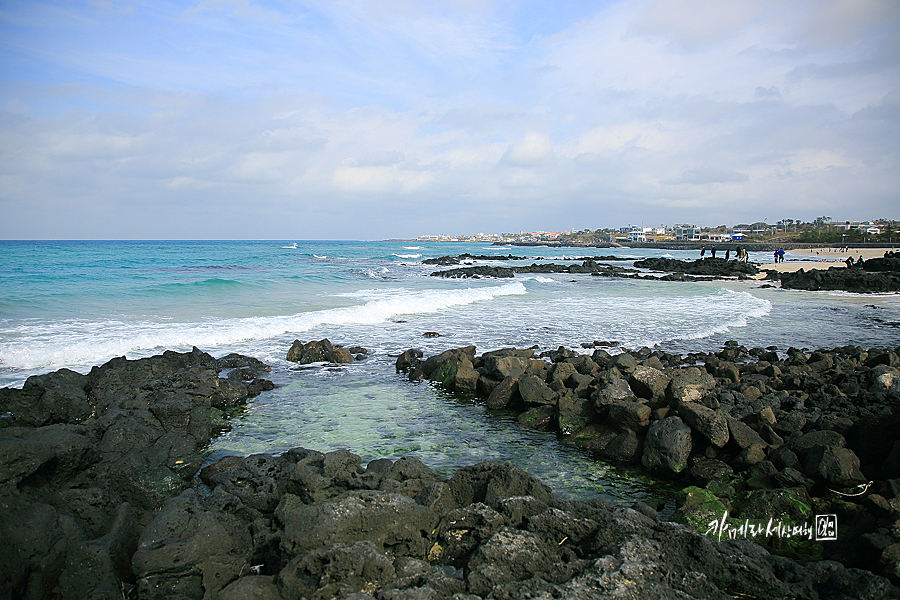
(77, 304)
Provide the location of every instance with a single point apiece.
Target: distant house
(689, 233)
(720, 237)
(637, 235)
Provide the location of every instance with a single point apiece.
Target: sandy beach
(825, 258)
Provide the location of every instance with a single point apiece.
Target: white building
(689, 233)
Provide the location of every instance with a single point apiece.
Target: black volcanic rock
(714, 267)
(853, 279)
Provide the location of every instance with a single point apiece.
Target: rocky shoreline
(750, 432)
(709, 269)
(876, 275)
(102, 493)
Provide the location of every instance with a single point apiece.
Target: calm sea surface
(78, 304)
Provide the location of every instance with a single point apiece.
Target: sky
(376, 119)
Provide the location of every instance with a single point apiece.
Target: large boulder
(614, 390)
(190, 550)
(534, 391)
(384, 518)
(634, 416)
(574, 413)
(317, 351)
(491, 482)
(503, 393)
(501, 367)
(509, 555)
(705, 421)
(59, 397)
(667, 446)
(834, 464)
(649, 383)
(689, 385)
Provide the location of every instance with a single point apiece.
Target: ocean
(76, 304)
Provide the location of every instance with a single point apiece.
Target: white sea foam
(317, 256)
(412, 247)
(408, 255)
(81, 343)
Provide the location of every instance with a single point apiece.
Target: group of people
(740, 253)
(779, 256)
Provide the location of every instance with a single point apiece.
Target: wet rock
(503, 393)
(533, 390)
(574, 413)
(317, 351)
(540, 417)
(667, 446)
(253, 587)
(58, 397)
(625, 447)
(409, 359)
(630, 415)
(466, 380)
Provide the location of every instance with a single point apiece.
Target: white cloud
(370, 119)
(533, 149)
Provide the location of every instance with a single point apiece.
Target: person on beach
(727, 253)
(702, 251)
(712, 252)
(775, 254)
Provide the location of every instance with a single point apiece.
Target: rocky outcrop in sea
(700, 270)
(877, 275)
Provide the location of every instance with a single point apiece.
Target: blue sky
(230, 119)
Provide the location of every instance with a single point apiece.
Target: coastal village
(822, 229)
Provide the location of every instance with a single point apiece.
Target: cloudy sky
(365, 119)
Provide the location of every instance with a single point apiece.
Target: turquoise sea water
(78, 304)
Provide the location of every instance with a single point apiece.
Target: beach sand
(823, 258)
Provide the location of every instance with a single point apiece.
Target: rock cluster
(713, 267)
(85, 460)
(699, 270)
(324, 351)
(759, 432)
(877, 275)
(313, 525)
